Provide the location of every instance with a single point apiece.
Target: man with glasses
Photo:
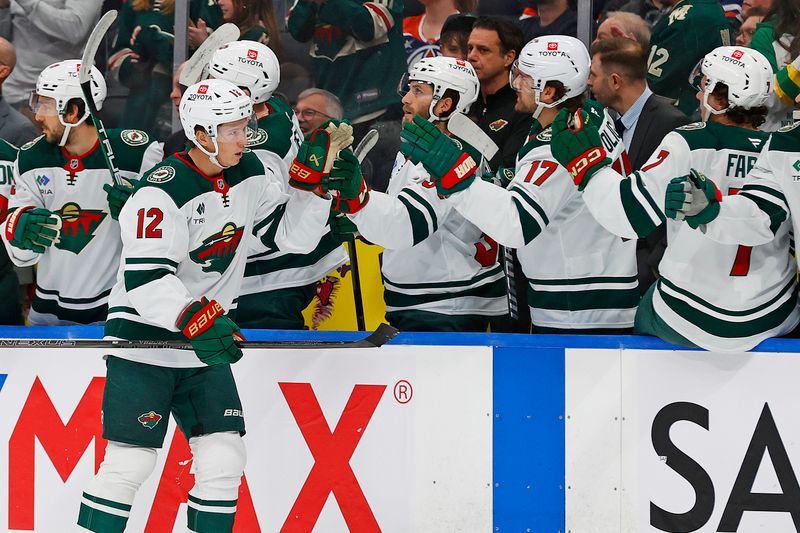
(315, 107)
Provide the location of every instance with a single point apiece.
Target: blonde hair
(167, 7)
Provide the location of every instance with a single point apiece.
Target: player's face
(417, 101)
(523, 84)
(47, 118)
(599, 83)
(231, 141)
(485, 53)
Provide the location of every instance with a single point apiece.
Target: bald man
(14, 127)
(624, 24)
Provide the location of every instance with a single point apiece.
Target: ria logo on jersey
(218, 250)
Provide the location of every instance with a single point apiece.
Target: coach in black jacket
(618, 81)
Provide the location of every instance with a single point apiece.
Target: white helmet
(209, 104)
(553, 58)
(745, 71)
(247, 64)
(447, 73)
(59, 81)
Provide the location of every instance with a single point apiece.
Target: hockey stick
(364, 146)
(376, 339)
(463, 128)
(85, 79)
(193, 69)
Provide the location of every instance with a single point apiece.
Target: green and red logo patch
(217, 251)
(498, 124)
(150, 420)
(79, 226)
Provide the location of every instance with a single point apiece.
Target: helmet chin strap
(541, 106)
(707, 110)
(212, 156)
(68, 127)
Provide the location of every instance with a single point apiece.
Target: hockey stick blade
(367, 143)
(376, 339)
(193, 70)
(463, 128)
(93, 44)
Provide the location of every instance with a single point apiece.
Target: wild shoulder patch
(545, 136)
(693, 126)
(162, 175)
(790, 127)
(30, 143)
(134, 137)
(255, 138)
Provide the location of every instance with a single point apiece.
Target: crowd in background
(341, 61)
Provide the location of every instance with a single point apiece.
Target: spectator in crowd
(685, 33)
(177, 141)
(494, 45)
(315, 107)
(758, 5)
(142, 59)
(421, 33)
(624, 24)
(748, 27)
(778, 38)
(43, 32)
(254, 18)
(14, 128)
(617, 80)
(10, 296)
(454, 39)
(64, 223)
(553, 17)
(358, 55)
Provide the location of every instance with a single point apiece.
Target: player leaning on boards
(720, 297)
(64, 209)
(440, 273)
(184, 234)
(581, 278)
(277, 285)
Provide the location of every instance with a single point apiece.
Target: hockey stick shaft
(357, 295)
(378, 338)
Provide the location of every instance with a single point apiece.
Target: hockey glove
(577, 146)
(317, 154)
(117, 195)
(694, 198)
(351, 192)
(342, 228)
(451, 169)
(212, 334)
(33, 228)
(501, 178)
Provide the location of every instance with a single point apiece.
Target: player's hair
(333, 106)
(624, 56)
(79, 104)
(633, 24)
(754, 116)
(453, 95)
(571, 104)
(509, 33)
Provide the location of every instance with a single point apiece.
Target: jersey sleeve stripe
(151, 261)
(523, 195)
(419, 225)
(270, 227)
(639, 207)
(777, 214)
(530, 226)
(137, 278)
(424, 203)
(778, 195)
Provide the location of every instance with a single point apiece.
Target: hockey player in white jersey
(277, 285)
(721, 297)
(581, 278)
(64, 208)
(440, 272)
(184, 233)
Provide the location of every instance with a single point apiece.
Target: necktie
(619, 126)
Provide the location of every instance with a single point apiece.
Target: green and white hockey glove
(351, 193)
(212, 334)
(316, 156)
(576, 145)
(33, 228)
(116, 196)
(451, 169)
(693, 198)
(501, 178)
(342, 228)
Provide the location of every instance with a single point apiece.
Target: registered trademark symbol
(403, 391)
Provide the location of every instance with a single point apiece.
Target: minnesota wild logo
(256, 137)
(150, 420)
(217, 251)
(79, 226)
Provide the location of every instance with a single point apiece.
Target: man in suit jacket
(14, 127)
(618, 81)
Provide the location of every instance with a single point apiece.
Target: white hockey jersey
(722, 297)
(75, 275)
(184, 236)
(435, 260)
(276, 144)
(580, 276)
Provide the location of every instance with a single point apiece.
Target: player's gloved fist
(116, 196)
(501, 178)
(316, 156)
(451, 169)
(342, 228)
(351, 193)
(33, 228)
(693, 198)
(576, 145)
(212, 334)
